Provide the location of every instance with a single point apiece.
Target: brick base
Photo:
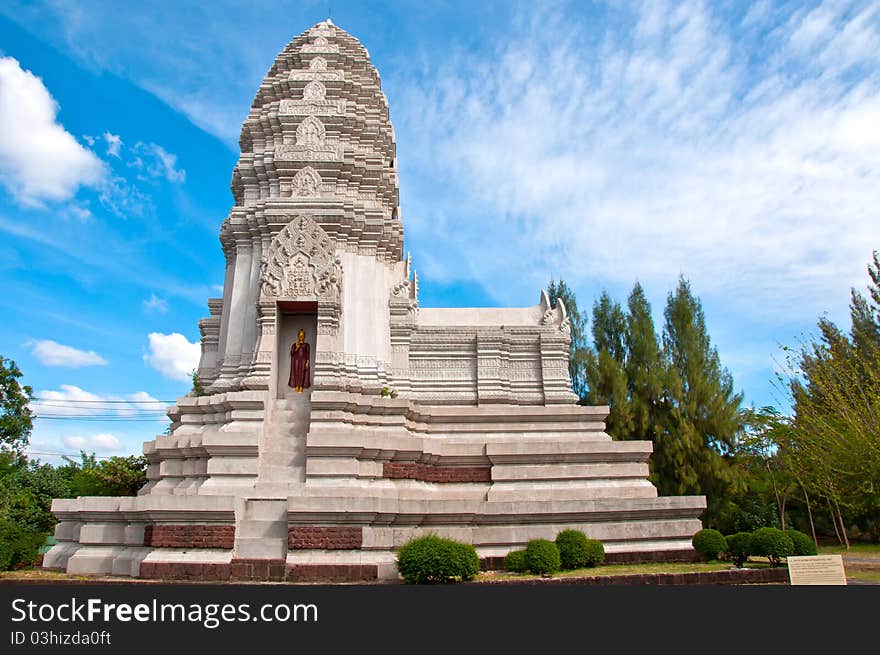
(202, 571)
(432, 473)
(329, 537)
(258, 570)
(189, 536)
(332, 572)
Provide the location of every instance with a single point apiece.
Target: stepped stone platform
(340, 418)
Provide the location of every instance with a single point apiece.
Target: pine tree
(644, 368)
(702, 413)
(579, 347)
(604, 366)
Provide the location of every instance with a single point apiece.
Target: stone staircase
(261, 517)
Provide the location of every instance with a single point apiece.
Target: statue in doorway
(299, 363)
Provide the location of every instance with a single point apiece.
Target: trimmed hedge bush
(572, 545)
(542, 556)
(803, 544)
(710, 543)
(772, 543)
(432, 559)
(739, 547)
(515, 561)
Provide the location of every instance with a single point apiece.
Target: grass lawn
(624, 569)
(853, 549)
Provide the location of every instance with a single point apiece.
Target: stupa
(339, 418)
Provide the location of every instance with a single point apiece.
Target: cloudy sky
(737, 144)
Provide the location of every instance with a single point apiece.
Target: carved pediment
(301, 262)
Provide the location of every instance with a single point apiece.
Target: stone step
(260, 530)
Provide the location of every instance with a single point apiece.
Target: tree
(701, 414)
(579, 348)
(834, 382)
(604, 366)
(16, 418)
(644, 367)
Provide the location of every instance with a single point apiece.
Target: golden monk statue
(299, 363)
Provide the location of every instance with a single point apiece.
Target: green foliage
(678, 396)
(578, 321)
(542, 556)
(772, 543)
(115, 476)
(515, 561)
(803, 544)
(16, 418)
(710, 543)
(739, 547)
(198, 388)
(432, 559)
(26, 493)
(702, 421)
(833, 446)
(577, 551)
(19, 546)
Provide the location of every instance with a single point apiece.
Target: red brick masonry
(189, 536)
(335, 537)
(432, 473)
(253, 570)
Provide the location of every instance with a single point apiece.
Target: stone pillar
(236, 310)
(493, 358)
(556, 382)
(249, 318)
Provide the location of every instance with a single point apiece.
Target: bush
(572, 545)
(739, 547)
(542, 556)
(803, 544)
(515, 562)
(432, 559)
(710, 543)
(772, 543)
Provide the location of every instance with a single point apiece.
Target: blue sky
(737, 144)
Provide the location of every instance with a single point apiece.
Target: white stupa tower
(339, 418)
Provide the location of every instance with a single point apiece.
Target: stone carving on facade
(320, 44)
(312, 144)
(301, 262)
(317, 70)
(306, 183)
(314, 90)
(406, 292)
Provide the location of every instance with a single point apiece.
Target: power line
(101, 419)
(122, 402)
(42, 452)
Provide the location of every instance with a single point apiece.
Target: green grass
(854, 548)
(624, 569)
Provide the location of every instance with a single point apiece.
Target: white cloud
(156, 162)
(39, 159)
(97, 443)
(653, 145)
(155, 304)
(52, 353)
(173, 355)
(114, 144)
